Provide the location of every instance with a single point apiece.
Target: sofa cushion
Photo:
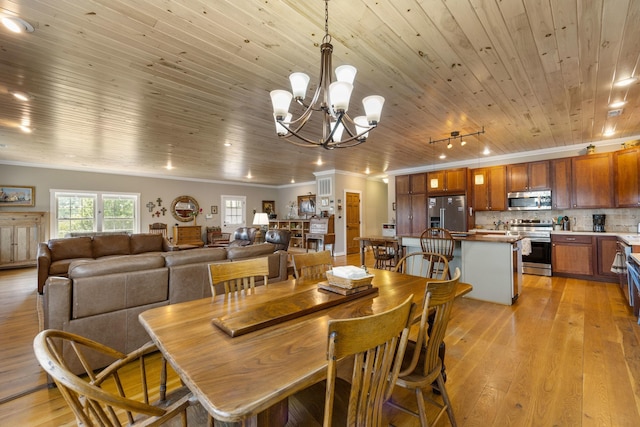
(61, 267)
(194, 256)
(112, 292)
(84, 268)
(251, 251)
(73, 247)
(146, 243)
(115, 244)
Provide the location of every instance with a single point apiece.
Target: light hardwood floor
(566, 354)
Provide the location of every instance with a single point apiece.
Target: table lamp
(261, 219)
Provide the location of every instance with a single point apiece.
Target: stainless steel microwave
(529, 200)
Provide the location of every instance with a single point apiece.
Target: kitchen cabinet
(572, 255)
(411, 204)
(606, 247)
(489, 188)
(592, 181)
(560, 183)
(452, 181)
(20, 233)
(528, 176)
(627, 177)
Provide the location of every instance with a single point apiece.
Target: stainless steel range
(538, 231)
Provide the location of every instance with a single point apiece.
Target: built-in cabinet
(411, 204)
(451, 181)
(592, 181)
(20, 233)
(489, 191)
(626, 164)
(560, 183)
(298, 228)
(531, 176)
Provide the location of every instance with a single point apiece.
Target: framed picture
(307, 205)
(324, 202)
(17, 195)
(214, 209)
(268, 206)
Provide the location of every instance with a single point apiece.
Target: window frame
(229, 227)
(98, 214)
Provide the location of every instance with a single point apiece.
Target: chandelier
(331, 99)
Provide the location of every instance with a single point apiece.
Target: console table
(188, 236)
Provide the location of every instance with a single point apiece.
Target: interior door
(353, 222)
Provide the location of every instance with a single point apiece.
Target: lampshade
(260, 218)
(299, 84)
(346, 73)
(340, 93)
(373, 108)
(280, 100)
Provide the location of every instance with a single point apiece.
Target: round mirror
(183, 208)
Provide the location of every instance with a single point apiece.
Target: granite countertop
(485, 237)
(628, 238)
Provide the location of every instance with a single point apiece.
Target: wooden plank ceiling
(127, 86)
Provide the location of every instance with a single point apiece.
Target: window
(233, 212)
(77, 212)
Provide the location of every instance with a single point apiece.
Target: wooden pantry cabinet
(411, 204)
(20, 233)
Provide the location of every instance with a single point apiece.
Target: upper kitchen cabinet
(561, 183)
(528, 176)
(489, 188)
(452, 181)
(627, 177)
(411, 184)
(592, 181)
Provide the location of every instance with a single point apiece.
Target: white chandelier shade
(331, 100)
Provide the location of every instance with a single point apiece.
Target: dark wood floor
(566, 354)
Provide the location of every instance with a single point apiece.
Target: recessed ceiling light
(442, 156)
(227, 144)
(625, 82)
(486, 152)
(319, 162)
(609, 132)
(617, 104)
(367, 171)
(25, 129)
(21, 96)
(293, 181)
(17, 25)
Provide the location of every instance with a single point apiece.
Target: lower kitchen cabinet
(571, 255)
(583, 256)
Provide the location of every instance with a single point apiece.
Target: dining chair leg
(422, 410)
(445, 399)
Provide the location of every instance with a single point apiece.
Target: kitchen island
(492, 264)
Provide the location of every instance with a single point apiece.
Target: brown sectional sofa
(55, 256)
(101, 299)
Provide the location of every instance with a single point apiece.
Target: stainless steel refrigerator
(448, 212)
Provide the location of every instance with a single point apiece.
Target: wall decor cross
(164, 211)
(150, 206)
(159, 200)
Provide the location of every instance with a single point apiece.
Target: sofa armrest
(168, 246)
(57, 303)
(44, 262)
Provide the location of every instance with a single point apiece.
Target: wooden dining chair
(98, 398)
(311, 265)
(422, 364)
(424, 264)
(377, 344)
(158, 228)
(236, 276)
(384, 254)
(438, 240)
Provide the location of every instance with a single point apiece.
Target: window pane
(118, 213)
(75, 213)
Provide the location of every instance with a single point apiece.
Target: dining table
(244, 354)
